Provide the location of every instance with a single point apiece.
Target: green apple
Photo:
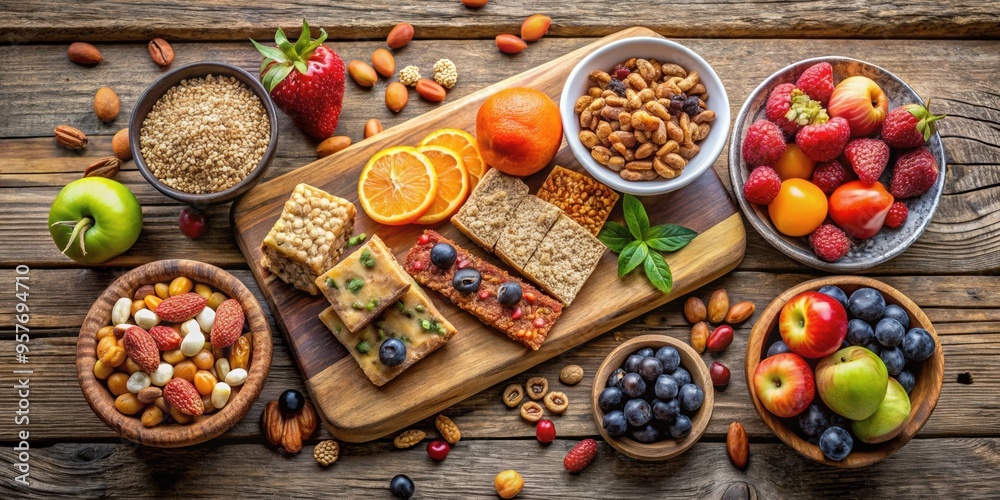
(94, 219)
(852, 382)
(888, 420)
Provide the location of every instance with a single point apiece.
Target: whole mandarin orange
(518, 131)
(799, 208)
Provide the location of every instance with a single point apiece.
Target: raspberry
(829, 242)
(764, 143)
(817, 81)
(620, 72)
(897, 215)
(779, 103)
(581, 455)
(829, 176)
(868, 158)
(824, 141)
(915, 172)
(762, 186)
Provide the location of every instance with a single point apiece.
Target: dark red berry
(545, 431)
(617, 87)
(438, 449)
(720, 374)
(193, 222)
(620, 72)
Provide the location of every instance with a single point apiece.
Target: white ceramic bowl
(664, 51)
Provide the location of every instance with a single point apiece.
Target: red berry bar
(527, 319)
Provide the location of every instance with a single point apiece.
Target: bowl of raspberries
(837, 163)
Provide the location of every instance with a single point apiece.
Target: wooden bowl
(204, 427)
(692, 362)
(923, 397)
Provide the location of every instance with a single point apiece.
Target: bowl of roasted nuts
(173, 353)
(645, 115)
(204, 133)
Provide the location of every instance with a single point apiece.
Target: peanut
(330, 146)
(362, 73)
(383, 62)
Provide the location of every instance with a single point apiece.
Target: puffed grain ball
(326, 452)
(445, 73)
(409, 75)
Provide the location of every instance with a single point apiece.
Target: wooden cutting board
(354, 409)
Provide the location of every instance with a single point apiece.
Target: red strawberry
(305, 80)
(909, 126)
(829, 242)
(868, 158)
(581, 455)
(915, 172)
(180, 307)
(817, 81)
(140, 346)
(182, 395)
(764, 143)
(228, 323)
(829, 176)
(897, 214)
(762, 186)
(824, 141)
(166, 338)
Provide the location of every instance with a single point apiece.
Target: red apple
(860, 209)
(813, 324)
(861, 102)
(784, 383)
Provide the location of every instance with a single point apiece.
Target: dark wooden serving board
(353, 408)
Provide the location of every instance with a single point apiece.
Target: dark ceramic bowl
(864, 254)
(160, 87)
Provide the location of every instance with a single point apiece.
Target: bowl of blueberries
(886, 339)
(652, 397)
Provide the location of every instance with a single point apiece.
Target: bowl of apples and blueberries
(652, 397)
(844, 369)
(837, 163)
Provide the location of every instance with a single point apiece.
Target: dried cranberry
(617, 87)
(423, 239)
(418, 265)
(620, 72)
(691, 106)
(484, 294)
(438, 449)
(539, 322)
(517, 313)
(677, 102)
(545, 431)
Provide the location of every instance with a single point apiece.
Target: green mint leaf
(668, 237)
(614, 236)
(658, 272)
(635, 216)
(632, 255)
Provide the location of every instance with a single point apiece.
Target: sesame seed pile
(205, 134)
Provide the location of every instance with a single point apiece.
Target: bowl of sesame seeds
(204, 133)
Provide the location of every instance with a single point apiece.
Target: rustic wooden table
(945, 50)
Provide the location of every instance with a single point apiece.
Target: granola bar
(523, 233)
(580, 196)
(489, 208)
(565, 259)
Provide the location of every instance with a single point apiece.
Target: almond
(740, 312)
(149, 394)
(362, 73)
(181, 307)
(228, 326)
(160, 52)
(121, 146)
(431, 90)
(106, 104)
(718, 306)
(383, 62)
(510, 44)
(535, 27)
(105, 167)
(70, 137)
(738, 445)
(372, 127)
(396, 97)
(399, 36)
(694, 310)
(165, 337)
(273, 423)
(475, 4)
(699, 336)
(140, 346)
(182, 396)
(84, 54)
(332, 145)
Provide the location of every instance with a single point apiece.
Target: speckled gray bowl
(864, 254)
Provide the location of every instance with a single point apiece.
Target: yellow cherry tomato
(794, 164)
(799, 208)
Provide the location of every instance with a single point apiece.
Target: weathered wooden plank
(47, 20)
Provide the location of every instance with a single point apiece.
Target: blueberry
(681, 376)
(691, 397)
(401, 486)
(907, 380)
(645, 352)
(633, 385)
(443, 255)
(650, 368)
(867, 304)
(918, 345)
(667, 410)
(889, 332)
(836, 293)
(779, 347)
(638, 412)
(466, 280)
(615, 379)
(893, 359)
(874, 347)
(836, 443)
(669, 358)
(392, 352)
(666, 387)
(647, 434)
(610, 399)
(813, 421)
(291, 402)
(859, 332)
(680, 427)
(897, 313)
(509, 293)
(614, 423)
(631, 364)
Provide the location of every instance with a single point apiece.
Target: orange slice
(462, 143)
(453, 183)
(397, 185)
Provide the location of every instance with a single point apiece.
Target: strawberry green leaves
(639, 244)
(279, 62)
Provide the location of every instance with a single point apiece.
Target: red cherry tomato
(860, 209)
(438, 449)
(545, 431)
(799, 208)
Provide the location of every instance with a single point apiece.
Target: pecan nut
(161, 52)
(409, 438)
(70, 137)
(105, 167)
(449, 431)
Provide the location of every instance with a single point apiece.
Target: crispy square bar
(583, 198)
(490, 206)
(308, 237)
(412, 319)
(524, 232)
(364, 284)
(565, 259)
